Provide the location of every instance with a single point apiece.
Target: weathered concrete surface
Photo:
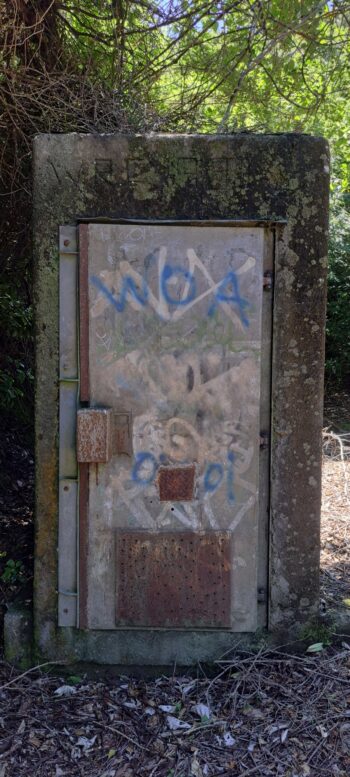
(18, 635)
(283, 177)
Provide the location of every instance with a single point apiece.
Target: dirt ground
(335, 522)
(263, 714)
(259, 713)
(335, 536)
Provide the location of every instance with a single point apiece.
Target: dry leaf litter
(264, 712)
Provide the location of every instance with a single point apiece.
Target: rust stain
(176, 484)
(94, 435)
(173, 579)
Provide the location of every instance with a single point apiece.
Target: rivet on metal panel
(175, 579)
(94, 435)
(176, 484)
(68, 239)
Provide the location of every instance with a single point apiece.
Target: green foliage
(13, 572)
(316, 647)
(137, 66)
(316, 634)
(74, 679)
(338, 310)
(16, 376)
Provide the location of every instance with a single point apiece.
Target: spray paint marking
(134, 289)
(228, 291)
(146, 465)
(128, 288)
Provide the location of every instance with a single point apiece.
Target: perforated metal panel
(175, 579)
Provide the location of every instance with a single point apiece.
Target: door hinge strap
(262, 595)
(264, 440)
(268, 280)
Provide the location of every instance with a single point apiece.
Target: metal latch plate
(94, 435)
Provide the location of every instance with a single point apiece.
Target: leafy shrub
(16, 375)
(338, 306)
(13, 572)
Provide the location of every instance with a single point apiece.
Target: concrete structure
(189, 511)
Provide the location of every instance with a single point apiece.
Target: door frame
(81, 316)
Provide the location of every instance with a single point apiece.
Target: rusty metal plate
(173, 580)
(176, 484)
(94, 435)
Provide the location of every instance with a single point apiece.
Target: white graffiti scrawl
(174, 340)
(126, 286)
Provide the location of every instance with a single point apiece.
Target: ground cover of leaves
(335, 535)
(335, 523)
(16, 518)
(263, 714)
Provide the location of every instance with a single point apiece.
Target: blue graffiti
(230, 477)
(128, 287)
(169, 272)
(213, 477)
(228, 291)
(141, 459)
(146, 465)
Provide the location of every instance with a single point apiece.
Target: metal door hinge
(264, 440)
(262, 595)
(268, 280)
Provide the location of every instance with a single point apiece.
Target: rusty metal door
(168, 426)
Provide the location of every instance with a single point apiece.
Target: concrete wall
(263, 179)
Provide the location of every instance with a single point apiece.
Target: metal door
(168, 425)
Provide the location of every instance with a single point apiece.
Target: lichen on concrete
(281, 178)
